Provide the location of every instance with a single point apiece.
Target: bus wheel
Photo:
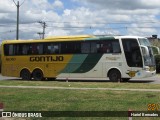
(114, 75)
(25, 74)
(37, 74)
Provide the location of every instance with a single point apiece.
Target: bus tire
(25, 74)
(114, 75)
(37, 74)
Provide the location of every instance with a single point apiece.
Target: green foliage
(157, 59)
(155, 50)
(155, 42)
(0, 63)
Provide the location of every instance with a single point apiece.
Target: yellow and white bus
(114, 57)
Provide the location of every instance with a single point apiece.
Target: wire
(87, 23)
(10, 31)
(22, 3)
(18, 4)
(27, 27)
(8, 25)
(90, 27)
(125, 22)
(14, 2)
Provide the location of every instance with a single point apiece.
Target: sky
(79, 17)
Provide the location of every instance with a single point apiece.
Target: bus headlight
(152, 68)
(146, 68)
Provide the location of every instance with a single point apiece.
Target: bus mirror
(145, 51)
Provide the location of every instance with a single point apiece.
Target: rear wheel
(114, 75)
(25, 74)
(37, 74)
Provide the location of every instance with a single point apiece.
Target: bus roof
(70, 38)
(55, 39)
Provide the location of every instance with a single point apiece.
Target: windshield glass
(144, 42)
(149, 57)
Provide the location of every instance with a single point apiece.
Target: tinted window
(70, 47)
(132, 52)
(83, 47)
(8, 49)
(108, 46)
(51, 48)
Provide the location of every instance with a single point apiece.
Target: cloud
(57, 32)
(124, 4)
(58, 4)
(31, 12)
(105, 32)
(142, 29)
(40, 4)
(137, 17)
(127, 12)
(6, 5)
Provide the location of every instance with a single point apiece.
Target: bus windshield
(149, 57)
(144, 42)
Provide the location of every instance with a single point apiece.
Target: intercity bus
(118, 58)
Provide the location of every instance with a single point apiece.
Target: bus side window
(34, 49)
(54, 48)
(104, 47)
(19, 49)
(6, 50)
(25, 48)
(29, 52)
(93, 47)
(11, 50)
(116, 46)
(47, 48)
(40, 48)
(85, 47)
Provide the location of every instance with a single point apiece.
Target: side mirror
(145, 51)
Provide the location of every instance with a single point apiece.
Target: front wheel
(114, 75)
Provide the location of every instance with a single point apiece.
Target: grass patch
(75, 100)
(90, 100)
(80, 84)
(15, 99)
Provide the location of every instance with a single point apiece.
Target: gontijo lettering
(46, 58)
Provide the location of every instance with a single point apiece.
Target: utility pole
(44, 26)
(18, 6)
(17, 33)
